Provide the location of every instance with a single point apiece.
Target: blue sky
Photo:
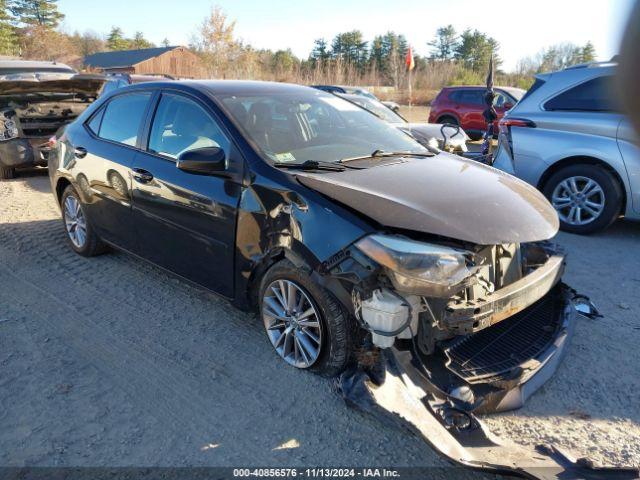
(522, 27)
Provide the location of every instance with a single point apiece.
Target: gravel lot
(111, 362)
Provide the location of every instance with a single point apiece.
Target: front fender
(290, 221)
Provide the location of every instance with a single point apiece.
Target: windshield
(377, 108)
(300, 126)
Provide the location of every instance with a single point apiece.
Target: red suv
(464, 106)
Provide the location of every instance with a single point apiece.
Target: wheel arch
(61, 186)
(588, 160)
(447, 114)
(248, 298)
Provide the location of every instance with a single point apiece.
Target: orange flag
(409, 60)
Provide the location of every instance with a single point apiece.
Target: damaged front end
(32, 111)
(481, 321)
(459, 330)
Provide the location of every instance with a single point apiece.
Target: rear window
(122, 117)
(595, 95)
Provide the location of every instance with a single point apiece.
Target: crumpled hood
(86, 85)
(443, 195)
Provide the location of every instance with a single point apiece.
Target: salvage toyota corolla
(344, 233)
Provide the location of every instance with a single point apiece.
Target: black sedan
(343, 232)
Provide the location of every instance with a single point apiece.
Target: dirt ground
(415, 113)
(112, 362)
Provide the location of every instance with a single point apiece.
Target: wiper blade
(311, 165)
(383, 154)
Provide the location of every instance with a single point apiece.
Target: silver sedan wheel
(578, 200)
(75, 222)
(292, 323)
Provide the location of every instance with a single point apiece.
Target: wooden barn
(177, 61)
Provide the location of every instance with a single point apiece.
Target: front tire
(588, 198)
(304, 322)
(80, 235)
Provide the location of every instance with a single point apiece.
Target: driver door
(185, 222)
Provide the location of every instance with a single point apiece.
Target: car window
(94, 123)
(455, 96)
(501, 99)
(595, 95)
(122, 117)
(180, 125)
(300, 125)
(472, 97)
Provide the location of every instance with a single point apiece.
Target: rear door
(103, 155)
(186, 222)
(474, 106)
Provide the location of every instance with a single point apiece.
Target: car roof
(31, 64)
(230, 87)
(483, 87)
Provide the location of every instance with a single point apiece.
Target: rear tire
(577, 191)
(337, 327)
(7, 173)
(79, 233)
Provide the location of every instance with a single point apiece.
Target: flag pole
(409, 64)
(410, 94)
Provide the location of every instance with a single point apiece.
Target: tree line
(31, 29)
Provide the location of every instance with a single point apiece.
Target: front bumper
(397, 389)
(473, 316)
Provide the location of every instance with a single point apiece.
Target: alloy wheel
(292, 323)
(578, 200)
(75, 221)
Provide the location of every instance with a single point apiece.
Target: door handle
(141, 175)
(80, 152)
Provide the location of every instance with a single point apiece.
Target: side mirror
(204, 161)
(507, 105)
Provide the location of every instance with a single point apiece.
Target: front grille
(495, 351)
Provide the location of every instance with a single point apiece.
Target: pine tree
(8, 40)
(443, 46)
(140, 42)
(116, 40)
(475, 49)
(320, 52)
(588, 53)
(42, 13)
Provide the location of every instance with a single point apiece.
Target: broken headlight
(8, 127)
(420, 268)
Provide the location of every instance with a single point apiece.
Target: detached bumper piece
(501, 365)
